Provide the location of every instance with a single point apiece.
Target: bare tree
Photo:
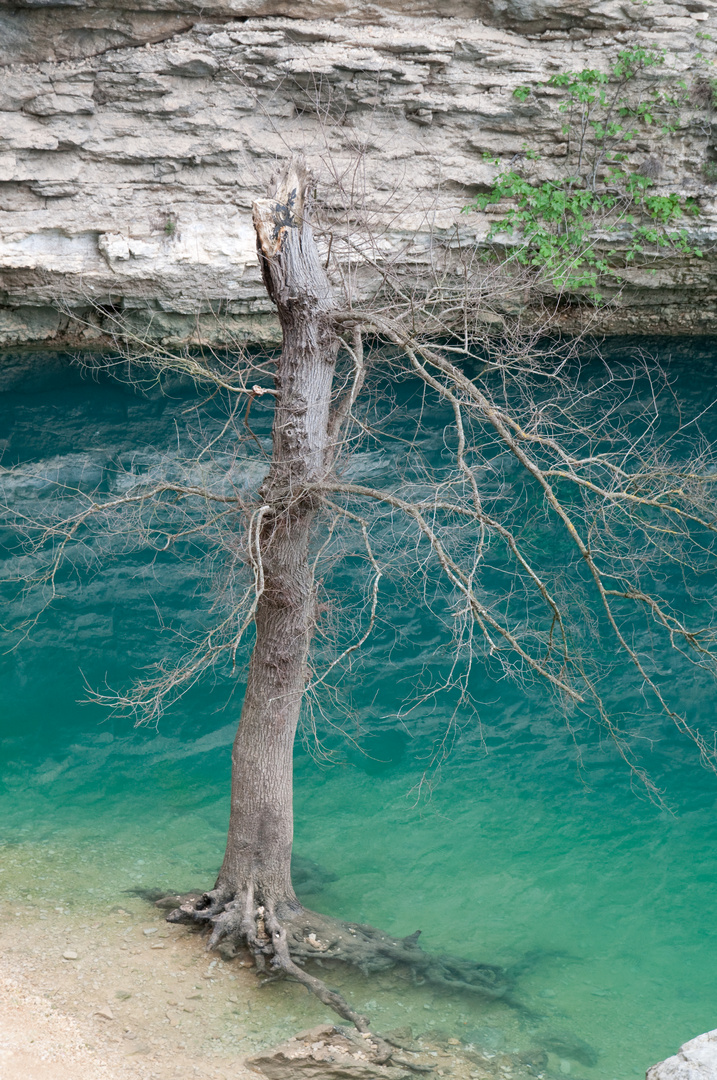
(619, 502)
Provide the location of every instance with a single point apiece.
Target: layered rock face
(135, 136)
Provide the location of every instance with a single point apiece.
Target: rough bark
(256, 865)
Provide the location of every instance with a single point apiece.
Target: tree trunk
(257, 861)
(253, 901)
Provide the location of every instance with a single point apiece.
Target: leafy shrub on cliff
(585, 226)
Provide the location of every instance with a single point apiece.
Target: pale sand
(37, 1043)
(131, 1006)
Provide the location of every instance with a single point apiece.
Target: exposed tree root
(282, 944)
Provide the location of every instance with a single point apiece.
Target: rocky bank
(134, 135)
(695, 1060)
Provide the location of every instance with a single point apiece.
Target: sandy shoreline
(114, 1001)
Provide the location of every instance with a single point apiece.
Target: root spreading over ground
(284, 944)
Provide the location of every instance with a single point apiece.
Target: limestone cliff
(135, 135)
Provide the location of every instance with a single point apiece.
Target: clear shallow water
(604, 904)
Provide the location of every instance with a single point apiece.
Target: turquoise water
(528, 847)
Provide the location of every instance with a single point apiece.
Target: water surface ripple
(531, 850)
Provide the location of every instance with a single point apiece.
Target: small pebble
(139, 1048)
(105, 1012)
(157, 945)
(150, 930)
(68, 954)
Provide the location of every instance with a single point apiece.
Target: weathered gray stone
(327, 1052)
(695, 1060)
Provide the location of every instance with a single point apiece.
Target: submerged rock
(566, 1045)
(402, 1037)
(695, 1060)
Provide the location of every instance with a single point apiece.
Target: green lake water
(605, 905)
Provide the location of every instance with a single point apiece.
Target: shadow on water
(309, 878)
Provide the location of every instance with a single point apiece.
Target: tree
(621, 506)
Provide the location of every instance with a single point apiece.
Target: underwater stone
(566, 1045)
